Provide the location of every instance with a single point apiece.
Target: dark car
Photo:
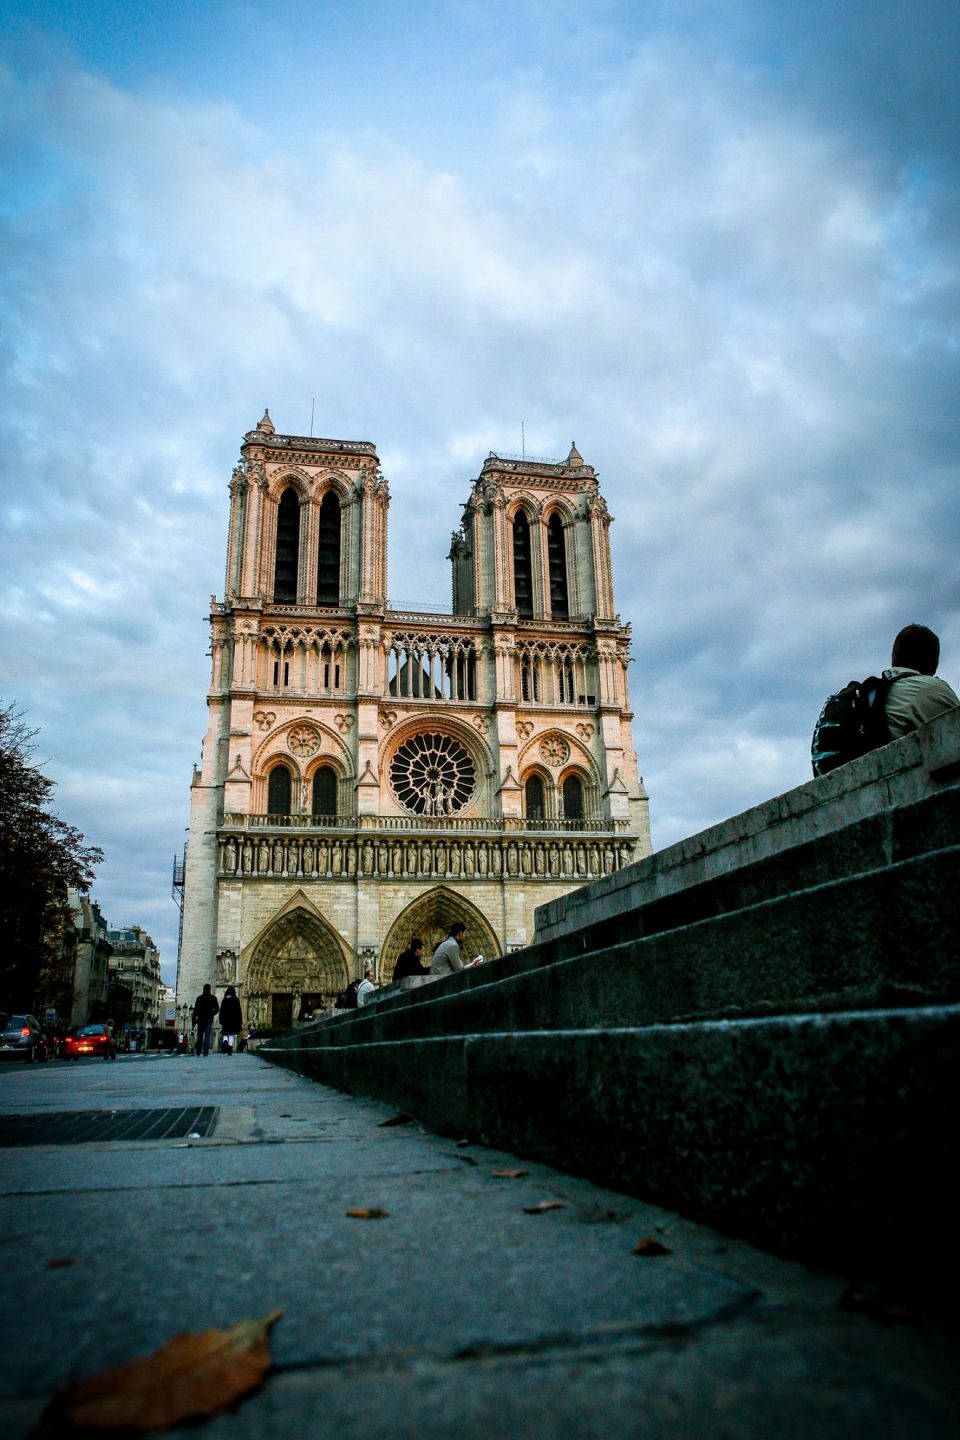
(88, 1040)
(22, 1038)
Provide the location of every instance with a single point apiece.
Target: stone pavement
(458, 1315)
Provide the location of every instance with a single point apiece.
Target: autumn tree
(40, 856)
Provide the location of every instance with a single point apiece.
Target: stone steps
(887, 937)
(828, 1137)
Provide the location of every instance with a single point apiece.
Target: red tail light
(25, 1030)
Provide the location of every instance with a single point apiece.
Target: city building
(135, 966)
(371, 774)
(86, 940)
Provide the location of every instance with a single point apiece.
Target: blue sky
(715, 244)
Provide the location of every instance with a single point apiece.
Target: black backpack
(852, 722)
(348, 1000)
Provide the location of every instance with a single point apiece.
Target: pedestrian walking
(205, 1007)
(231, 1020)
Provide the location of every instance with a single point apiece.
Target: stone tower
(370, 774)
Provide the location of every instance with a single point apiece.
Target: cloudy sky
(713, 241)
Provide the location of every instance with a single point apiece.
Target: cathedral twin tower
(371, 774)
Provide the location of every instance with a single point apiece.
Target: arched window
(522, 568)
(534, 798)
(328, 551)
(288, 548)
(278, 791)
(324, 792)
(573, 798)
(557, 557)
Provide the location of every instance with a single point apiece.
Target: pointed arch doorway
(298, 963)
(429, 918)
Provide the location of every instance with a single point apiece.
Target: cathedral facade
(369, 774)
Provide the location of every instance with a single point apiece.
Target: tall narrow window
(288, 549)
(278, 791)
(328, 551)
(324, 792)
(522, 568)
(557, 557)
(573, 798)
(534, 798)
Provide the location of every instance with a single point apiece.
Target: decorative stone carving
(584, 730)
(388, 718)
(304, 740)
(264, 718)
(554, 750)
(524, 729)
(481, 723)
(343, 723)
(432, 774)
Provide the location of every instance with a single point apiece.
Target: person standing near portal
(205, 1007)
(231, 1021)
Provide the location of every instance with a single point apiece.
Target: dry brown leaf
(509, 1174)
(542, 1205)
(648, 1246)
(373, 1212)
(401, 1118)
(190, 1378)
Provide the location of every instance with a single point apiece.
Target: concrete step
(828, 1137)
(887, 937)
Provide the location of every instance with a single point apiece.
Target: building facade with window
(371, 774)
(135, 965)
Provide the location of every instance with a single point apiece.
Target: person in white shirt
(367, 987)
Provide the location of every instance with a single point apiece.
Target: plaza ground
(458, 1314)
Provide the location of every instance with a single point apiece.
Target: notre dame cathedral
(372, 774)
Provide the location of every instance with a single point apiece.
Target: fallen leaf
(372, 1213)
(399, 1119)
(509, 1174)
(461, 1143)
(467, 1159)
(648, 1247)
(190, 1378)
(544, 1205)
(60, 1263)
(601, 1215)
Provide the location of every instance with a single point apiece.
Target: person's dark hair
(456, 927)
(916, 648)
(206, 988)
(229, 991)
(415, 944)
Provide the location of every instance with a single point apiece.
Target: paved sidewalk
(458, 1315)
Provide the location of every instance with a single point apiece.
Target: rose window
(432, 775)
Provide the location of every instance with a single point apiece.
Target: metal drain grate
(79, 1127)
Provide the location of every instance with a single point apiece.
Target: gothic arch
(430, 917)
(292, 479)
(332, 480)
(331, 749)
(299, 952)
(577, 758)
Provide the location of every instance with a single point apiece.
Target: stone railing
(572, 860)
(426, 824)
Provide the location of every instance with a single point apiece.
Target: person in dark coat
(411, 962)
(205, 1007)
(231, 1020)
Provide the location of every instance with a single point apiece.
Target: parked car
(88, 1040)
(22, 1038)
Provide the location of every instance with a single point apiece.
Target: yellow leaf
(190, 1378)
(373, 1213)
(648, 1246)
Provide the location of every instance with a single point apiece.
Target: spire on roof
(574, 458)
(266, 424)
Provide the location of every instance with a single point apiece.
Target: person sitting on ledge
(410, 963)
(447, 959)
(919, 694)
